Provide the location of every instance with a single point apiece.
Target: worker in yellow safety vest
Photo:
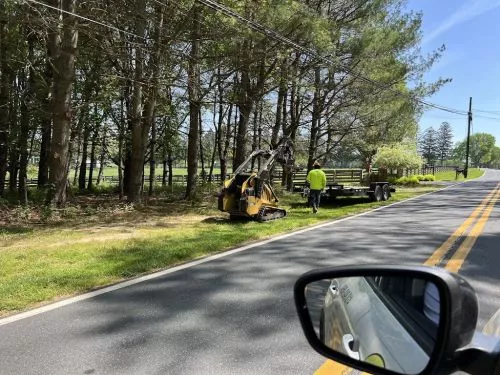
(317, 182)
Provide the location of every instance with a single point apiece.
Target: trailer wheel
(386, 194)
(378, 194)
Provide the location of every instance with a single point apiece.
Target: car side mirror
(387, 319)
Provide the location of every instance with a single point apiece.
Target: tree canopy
(482, 150)
(144, 83)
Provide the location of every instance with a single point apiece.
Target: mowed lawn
(44, 263)
(451, 175)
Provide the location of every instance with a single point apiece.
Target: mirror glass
(390, 322)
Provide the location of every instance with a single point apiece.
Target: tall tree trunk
(121, 136)
(82, 177)
(140, 128)
(216, 138)
(4, 97)
(164, 165)
(194, 103)
(152, 159)
(150, 120)
(278, 124)
(220, 121)
(102, 156)
(202, 154)
(245, 107)
(127, 141)
(284, 169)
(14, 137)
(313, 141)
(63, 80)
(76, 166)
(235, 135)
(227, 141)
(255, 132)
(25, 125)
(170, 162)
(93, 146)
(294, 121)
(45, 94)
(46, 132)
(138, 146)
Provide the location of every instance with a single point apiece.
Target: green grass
(42, 264)
(450, 175)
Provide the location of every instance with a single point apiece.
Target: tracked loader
(248, 193)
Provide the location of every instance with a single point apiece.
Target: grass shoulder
(451, 175)
(99, 241)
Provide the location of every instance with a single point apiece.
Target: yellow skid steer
(248, 193)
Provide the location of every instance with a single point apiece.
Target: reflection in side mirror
(388, 321)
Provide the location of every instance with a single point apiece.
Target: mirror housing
(459, 311)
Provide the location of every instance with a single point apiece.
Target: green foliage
(420, 177)
(482, 149)
(429, 177)
(401, 181)
(413, 180)
(407, 181)
(428, 145)
(241, 68)
(495, 158)
(444, 142)
(397, 157)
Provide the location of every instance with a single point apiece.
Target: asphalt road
(235, 314)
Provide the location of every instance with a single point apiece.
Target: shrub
(413, 180)
(429, 177)
(420, 177)
(392, 180)
(401, 181)
(398, 157)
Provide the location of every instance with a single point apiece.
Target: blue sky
(470, 29)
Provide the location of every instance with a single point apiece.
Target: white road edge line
(125, 284)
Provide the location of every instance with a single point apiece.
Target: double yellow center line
(477, 221)
(483, 212)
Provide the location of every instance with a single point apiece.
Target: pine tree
(428, 145)
(444, 141)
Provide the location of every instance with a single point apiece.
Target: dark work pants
(314, 197)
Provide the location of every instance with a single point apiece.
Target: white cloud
(470, 9)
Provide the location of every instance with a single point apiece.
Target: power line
(114, 28)
(275, 35)
(86, 19)
(268, 32)
(487, 117)
(487, 111)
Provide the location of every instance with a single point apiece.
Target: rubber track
(270, 213)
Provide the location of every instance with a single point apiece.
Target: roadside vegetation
(97, 241)
(451, 176)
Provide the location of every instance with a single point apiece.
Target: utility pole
(466, 169)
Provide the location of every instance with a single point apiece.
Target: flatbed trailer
(377, 191)
(336, 186)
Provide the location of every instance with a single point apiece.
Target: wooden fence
(339, 176)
